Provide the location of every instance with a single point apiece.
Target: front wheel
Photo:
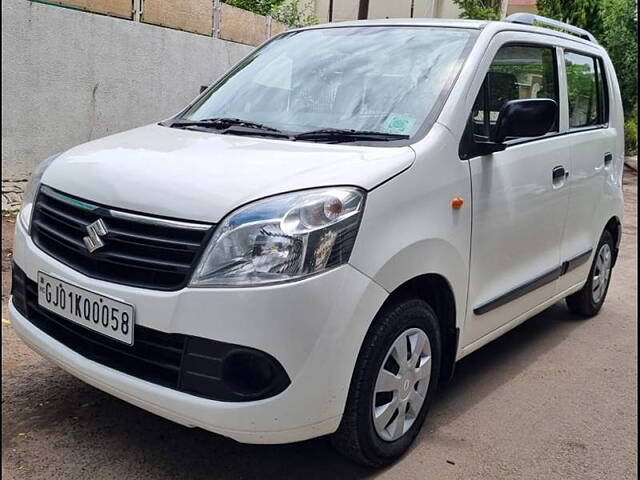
(393, 384)
(588, 301)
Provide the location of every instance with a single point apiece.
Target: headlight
(282, 238)
(31, 191)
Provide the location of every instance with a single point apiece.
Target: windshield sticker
(398, 124)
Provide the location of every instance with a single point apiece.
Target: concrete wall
(70, 76)
(402, 8)
(342, 10)
(387, 9)
(526, 6)
(446, 9)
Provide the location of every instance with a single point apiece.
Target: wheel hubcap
(601, 273)
(402, 384)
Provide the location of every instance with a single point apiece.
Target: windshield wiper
(223, 123)
(238, 126)
(339, 135)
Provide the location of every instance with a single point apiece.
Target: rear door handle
(608, 157)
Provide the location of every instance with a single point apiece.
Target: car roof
(430, 22)
(453, 23)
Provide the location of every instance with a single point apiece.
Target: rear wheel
(588, 301)
(393, 384)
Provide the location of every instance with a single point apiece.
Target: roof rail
(531, 19)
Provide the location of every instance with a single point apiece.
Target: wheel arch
(614, 227)
(436, 290)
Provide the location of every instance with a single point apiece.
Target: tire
(586, 302)
(358, 436)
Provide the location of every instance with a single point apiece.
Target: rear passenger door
(593, 145)
(519, 203)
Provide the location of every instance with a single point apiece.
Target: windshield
(374, 79)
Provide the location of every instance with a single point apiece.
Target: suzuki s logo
(95, 230)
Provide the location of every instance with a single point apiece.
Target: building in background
(342, 10)
(528, 6)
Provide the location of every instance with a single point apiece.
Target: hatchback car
(311, 245)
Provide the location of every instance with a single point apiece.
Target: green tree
(581, 13)
(620, 38)
(479, 9)
(615, 24)
(290, 12)
(261, 7)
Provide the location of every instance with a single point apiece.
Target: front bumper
(313, 327)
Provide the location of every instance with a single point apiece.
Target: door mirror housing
(525, 118)
(517, 118)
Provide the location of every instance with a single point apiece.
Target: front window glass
(376, 79)
(517, 72)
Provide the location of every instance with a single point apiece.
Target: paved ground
(555, 398)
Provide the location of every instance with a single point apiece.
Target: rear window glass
(586, 90)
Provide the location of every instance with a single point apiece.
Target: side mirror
(203, 88)
(525, 118)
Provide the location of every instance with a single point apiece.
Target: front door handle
(558, 172)
(608, 157)
(559, 175)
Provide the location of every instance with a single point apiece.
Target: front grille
(139, 250)
(195, 365)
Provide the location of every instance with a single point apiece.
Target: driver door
(520, 201)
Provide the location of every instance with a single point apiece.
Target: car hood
(203, 175)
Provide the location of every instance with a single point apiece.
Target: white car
(311, 245)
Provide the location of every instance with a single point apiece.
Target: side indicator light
(457, 203)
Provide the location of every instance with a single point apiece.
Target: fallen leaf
(5, 321)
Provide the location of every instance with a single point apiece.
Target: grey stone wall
(71, 76)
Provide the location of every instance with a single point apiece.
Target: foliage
(261, 7)
(479, 9)
(290, 12)
(631, 135)
(581, 13)
(620, 38)
(615, 24)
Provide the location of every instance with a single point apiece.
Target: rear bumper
(314, 328)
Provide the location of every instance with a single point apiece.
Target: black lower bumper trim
(198, 366)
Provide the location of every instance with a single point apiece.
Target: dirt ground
(556, 398)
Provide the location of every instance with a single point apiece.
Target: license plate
(92, 310)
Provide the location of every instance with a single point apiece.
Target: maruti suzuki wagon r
(311, 245)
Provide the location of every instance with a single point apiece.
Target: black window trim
(602, 91)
